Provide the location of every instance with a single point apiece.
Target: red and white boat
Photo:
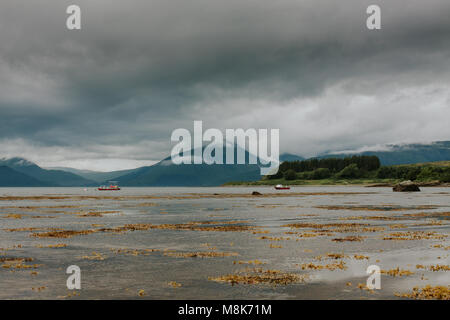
(112, 187)
(281, 187)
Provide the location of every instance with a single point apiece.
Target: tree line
(357, 167)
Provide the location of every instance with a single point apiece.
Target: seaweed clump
(261, 276)
(428, 293)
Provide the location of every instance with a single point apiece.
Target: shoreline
(317, 183)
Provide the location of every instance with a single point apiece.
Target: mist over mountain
(404, 153)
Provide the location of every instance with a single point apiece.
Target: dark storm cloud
(139, 69)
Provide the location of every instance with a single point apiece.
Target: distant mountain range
(290, 157)
(13, 178)
(39, 176)
(404, 154)
(19, 172)
(96, 176)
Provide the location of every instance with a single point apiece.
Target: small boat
(281, 187)
(112, 187)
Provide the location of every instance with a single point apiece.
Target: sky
(108, 96)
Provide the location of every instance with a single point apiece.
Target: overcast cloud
(140, 69)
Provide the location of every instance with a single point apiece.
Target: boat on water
(112, 187)
(281, 187)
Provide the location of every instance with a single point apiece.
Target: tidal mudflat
(224, 243)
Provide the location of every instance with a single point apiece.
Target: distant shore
(332, 182)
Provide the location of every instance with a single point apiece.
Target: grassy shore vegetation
(352, 170)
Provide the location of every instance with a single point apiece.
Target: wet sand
(224, 243)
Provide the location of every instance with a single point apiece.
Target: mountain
(47, 177)
(96, 176)
(405, 153)
(21, 172)
(290, 157)
(201, 175)
(166, 173)
(12, 178)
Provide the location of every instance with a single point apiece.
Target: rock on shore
(406, 186)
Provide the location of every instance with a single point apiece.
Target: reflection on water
(221, 243)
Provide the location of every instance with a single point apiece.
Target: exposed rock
(256, 193)
(406, 186)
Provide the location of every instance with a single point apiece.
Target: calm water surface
(108, 274)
